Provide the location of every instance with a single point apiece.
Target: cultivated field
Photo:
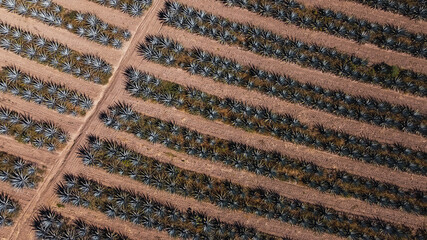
(213, 119)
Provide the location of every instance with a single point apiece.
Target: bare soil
(371, 14)
(248, 179)
(306, 115)
(66, 161)
(367, 50)
(49, 74)
(326, 80)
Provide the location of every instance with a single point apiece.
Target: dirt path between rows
(22, 230)
(63, 36)
(39, 156)
(371, 14)
(372, 52)
(46, 73)
(326, 80)
(38, 112)
(306, 115)
(248, 179)
(66, 161)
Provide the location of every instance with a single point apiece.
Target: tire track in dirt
(372, 52)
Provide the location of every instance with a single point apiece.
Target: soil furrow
(370, 14)
(248, 179)
(306, 115)
(38, 156)
(46, 73)
(369, 51)
(62, 36)
(320, 158)
(326, 80)
(22, 229)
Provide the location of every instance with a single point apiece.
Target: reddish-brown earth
(66, 161)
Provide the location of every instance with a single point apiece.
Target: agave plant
(104, 153)
(340, 24)
(50, 224)
(337, 102)
(52, 95)
(412, 9)
(270, 44)
(8, 209)
(264, 121)
(143, 210)
(241, 156)
(54, 54)
(38, 133)
(83, 24)
(134, 8)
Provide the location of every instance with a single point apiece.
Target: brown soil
(369, 51)
(326, 80)
(304, 114)
(66, 161)
(49, 74)
(63, 36)
(40, 113)
(371, 14)
(41, 157)
(133, 231)
(244, 178)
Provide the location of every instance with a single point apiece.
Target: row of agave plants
(339, 24)
(49, 224)
(411, 8)
(170, 53)
(54, 54)
(143, 210)
(18, 172)
(267, 163)
(9, 208)
(262, 120)
(27, 130)
(52, 95)
(117, 158)
(134, 8)
(85, 25)
(269, 44)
